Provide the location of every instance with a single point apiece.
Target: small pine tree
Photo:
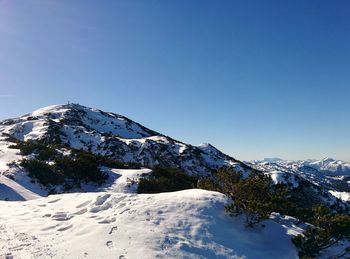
(253, 198)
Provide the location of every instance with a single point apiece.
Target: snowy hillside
(186, 224)
(328, 174)
(113, 135)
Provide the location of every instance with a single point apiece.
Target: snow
(120, 180)
(7, 155)
(186, 224)
(113, 123)
(13, 191)
(279, 177)
(49, 109)
(297, 172)
(79, 138)
(344, 196)
(15, 185)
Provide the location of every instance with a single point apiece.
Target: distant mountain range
(327, 165)
(330, 174)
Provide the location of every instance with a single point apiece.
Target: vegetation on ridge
(256, 197)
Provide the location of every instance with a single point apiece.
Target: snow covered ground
(113, 221)
(12, 191)
(120, 180)
(344, 196)
(186, 224)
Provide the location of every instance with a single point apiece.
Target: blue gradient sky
(255, 78)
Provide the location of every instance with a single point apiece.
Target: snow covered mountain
(327, 174)
(115, 136)
(327, 166)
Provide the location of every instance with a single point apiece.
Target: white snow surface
(35, 125)
(120, 180)
(344, 196)
(279, 177)
(185, 224)
(13, 191)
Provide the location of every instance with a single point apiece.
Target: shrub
(9, 137)
(84, 168)
(42, 172)
(255, 197)
(328, 229)
(166, 180)
(42, 151)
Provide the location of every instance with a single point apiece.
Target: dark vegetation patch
(327, 229)
(39, 149)
(166, 180)
(68, 170)
(42, 172)
(50, 167)
(10, 138)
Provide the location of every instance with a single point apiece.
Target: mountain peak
(327, 159)
(110, 134)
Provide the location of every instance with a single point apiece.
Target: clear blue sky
(254, 78)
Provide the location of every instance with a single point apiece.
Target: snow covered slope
(113, 135)
(186, 224)
(328, 174)
(13, 191)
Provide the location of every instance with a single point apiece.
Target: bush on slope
(257, 197)
(50, 167)
(326, 230)
(166, 180)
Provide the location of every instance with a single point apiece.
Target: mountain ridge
(116, 136)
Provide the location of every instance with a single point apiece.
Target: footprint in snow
(64, 228)
(109, 244)
(55, 200)
(81, 212)
(101, 199)
(113, 229)
(61, 216)
(83, 204)
(124, 211)
(107, 220)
